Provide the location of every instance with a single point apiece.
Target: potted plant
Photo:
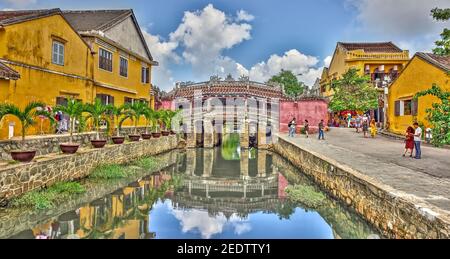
(27, 118)
(73, 109)
(148, 114)
(118, 117)
(97, 113)
(135, 112)
(168, 116)
(156, 122)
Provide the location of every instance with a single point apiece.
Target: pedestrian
(365, 126)
(373, 128)
(292, 126)
(307, 128)
(321, 130)
(349, 119)
(417, 140)
(358, 123)
(409, 141)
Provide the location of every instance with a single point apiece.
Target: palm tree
(97, 113)
(26, 116)
(135, 111)
(118, 115)
(167, 117)
(148, 114)
(157, 120)
(73, 109)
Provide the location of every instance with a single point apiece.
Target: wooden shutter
(147, 75)
(111, 100)
(414, 107)
(397, 108)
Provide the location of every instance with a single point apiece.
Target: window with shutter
(147, 74)
(414, 107)
(61, 101)
(105, 60)
(397, 108)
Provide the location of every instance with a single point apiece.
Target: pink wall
(164, 105)
(311, 110)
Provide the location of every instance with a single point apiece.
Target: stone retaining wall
(15, 220)
(48, 144)
(18, 179)
(393, 216)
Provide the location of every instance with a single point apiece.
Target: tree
(353, 92)
(149, 115)
(292, 87)
(26, 116)
(438, 115)
(117, 116)
(135, 111)
(97, 113)
(443, 45)
(73, 109)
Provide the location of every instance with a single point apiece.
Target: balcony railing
(387, 56)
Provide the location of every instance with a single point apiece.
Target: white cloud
(405, 21)
(299, 63)
(242, 15)
(327, 61)
(204, 35)
(206, 224)
(164, 53)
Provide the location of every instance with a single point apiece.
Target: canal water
(221, 193)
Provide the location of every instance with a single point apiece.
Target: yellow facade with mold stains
(27, 48)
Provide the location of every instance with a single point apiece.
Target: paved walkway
(381, 159)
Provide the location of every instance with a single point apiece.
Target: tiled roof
(12, 17)
(88, 20)
(442, 62)
(368, 47)
(7, 72)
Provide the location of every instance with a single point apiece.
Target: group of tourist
(292, 125)
(413, 140)
(366, 124)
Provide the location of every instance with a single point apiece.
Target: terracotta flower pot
(146, 135)
(134, 138)
(98, 143)
(166, 133)
(118, 140)
(69, 148)
(156, 135)
(23, 156)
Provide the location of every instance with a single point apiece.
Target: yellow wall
(343, 60)
(30, 44)
(418, 75)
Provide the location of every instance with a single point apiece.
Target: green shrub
(47, 198)
(306, 195)
(147, 163)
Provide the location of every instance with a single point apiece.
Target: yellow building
(382, 61)
(420, 74)
(81, 54)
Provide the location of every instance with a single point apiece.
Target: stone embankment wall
(20, 178)
(393, 216)
(48, 144)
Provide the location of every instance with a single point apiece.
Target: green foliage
(97, 113)
(443, 45)
(74, 110)
(27, 115)
(48, 198)
(306, 195)
(135, 111)
(147, 163)
(117, 116)
(353, 92)
(108, 172)
(289, 81)
(438, 115)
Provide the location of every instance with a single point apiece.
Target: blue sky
(193, 39)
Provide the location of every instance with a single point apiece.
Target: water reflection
(206, 195)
